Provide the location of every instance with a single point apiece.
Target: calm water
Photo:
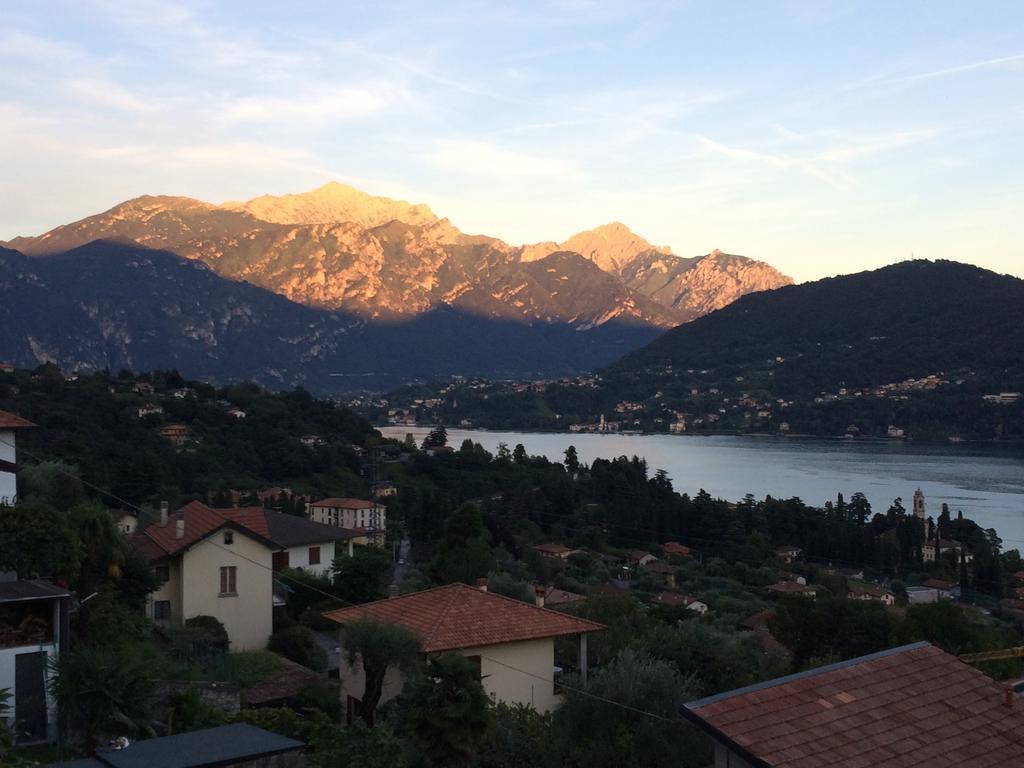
(987, 483)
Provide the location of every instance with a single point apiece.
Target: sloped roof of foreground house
(13, 421)
(909, 707)
(275, 529)
(458, 616)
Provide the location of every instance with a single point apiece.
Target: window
(314, 555)
(162, 573)
(229, 537)
(161, 610)
(227, 580)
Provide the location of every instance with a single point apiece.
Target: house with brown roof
(793, 588)
(177, 434)
(787, 554)
(858, 590)
(675, 549)
(678, 600)
(367, 517)
(554, 551)
(10, 425)
(909, 707)
(221, 563)
(639, 557)
(552, 597)
(661, 570)
(511, 642)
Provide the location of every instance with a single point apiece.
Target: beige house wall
(170, 590)
(247, 615)
(500, 667)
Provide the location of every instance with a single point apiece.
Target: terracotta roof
(938, 584)
(675, 599)
(553, 549)
(791, 587)
(657, 566)
(200, 522)
(343, 503)
(758, 621)
(555, 596)
(909, 707)
(287, 682)
(675, 548)
(458, 616)
(12, 421)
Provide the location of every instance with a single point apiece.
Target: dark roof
(909, 707)
(32, 589)
(459, 616)
(225, 745)
(286, 683)
(344, 503)
(291, 531)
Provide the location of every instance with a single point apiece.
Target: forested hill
(93, 423)
(907, 320)
(918, 349)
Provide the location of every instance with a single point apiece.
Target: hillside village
(248, 575)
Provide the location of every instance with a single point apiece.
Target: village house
(638, 557)
(150, 409)
(10, 425)
(946, 590)
(33, 634)
(220, 563)
(869, 592)
(236, 413)
(677, 600)
(787, 554)
(793, 588)
(126, 520)
(383, 489)
(663, 571)
(551, 597)
(369, 518)
(177, 434)
(675, 549)
(909, 706)
(512, 643)
(554, 551)
(935, 548)
(238, 745)
(921, 595)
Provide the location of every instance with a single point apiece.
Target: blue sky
(822, 137)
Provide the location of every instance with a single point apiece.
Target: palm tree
(448, 711)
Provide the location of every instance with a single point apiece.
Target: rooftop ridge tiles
(715, 698)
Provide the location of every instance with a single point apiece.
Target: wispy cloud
(773, 160)
(484, 159)
(1013, 62)
(98, 92)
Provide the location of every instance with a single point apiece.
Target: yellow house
(212, 566)
(367, 517)
(511, 642)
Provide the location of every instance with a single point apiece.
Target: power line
(333, 597)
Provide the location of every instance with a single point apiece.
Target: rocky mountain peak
(333, 203)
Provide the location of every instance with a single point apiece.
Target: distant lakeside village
(357, 587)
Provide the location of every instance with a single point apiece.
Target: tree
(36, 540)
(437, 437)
(604, 726)
(362, 577)
(297, 644)
(105, 690)
(463, 554)
(519, 454)
(208, 633)
(378, 647)
(572, 460)
(448, 711)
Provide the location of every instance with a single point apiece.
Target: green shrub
(209, 631)
(298, 644)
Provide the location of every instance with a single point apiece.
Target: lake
(986, 482)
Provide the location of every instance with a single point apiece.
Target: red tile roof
(274, 529)
(939, 584)
(909, 707)
(553, 549)
(458, 616)
(675, 548)
(11, 421)
(342, 503)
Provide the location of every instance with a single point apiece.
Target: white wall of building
(298, 557)
(7, 673)
(8, 484)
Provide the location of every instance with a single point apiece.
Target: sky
(821, 137)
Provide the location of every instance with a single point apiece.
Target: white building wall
(247, 615)
(7, 674)
(8, 484)
(298, 557)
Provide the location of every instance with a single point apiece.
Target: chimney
(1008, 696)
(179, 524)
(481, 584)
(163, 514)
(538, 596)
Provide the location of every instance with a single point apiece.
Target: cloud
(1013, 62)
(782, 162)
(98, 92)
(326, 103)
(479, 158)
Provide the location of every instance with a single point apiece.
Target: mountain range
(381, 270)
